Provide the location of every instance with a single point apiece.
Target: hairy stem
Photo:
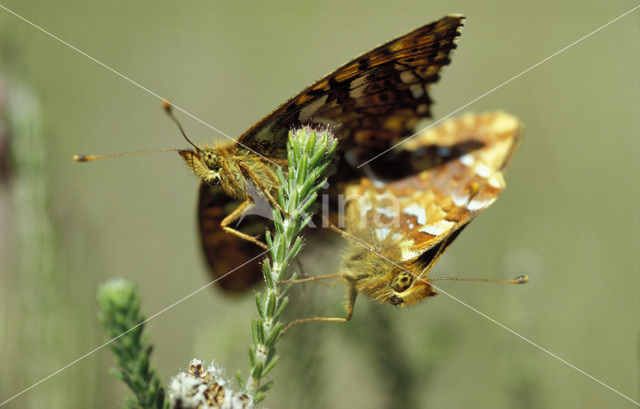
(309, 153)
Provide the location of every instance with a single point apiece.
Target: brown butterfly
(373, 101)
(397, 230)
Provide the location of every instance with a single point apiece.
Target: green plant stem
(309, 152)
(121, 317)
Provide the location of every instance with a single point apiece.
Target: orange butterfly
(373, 101)
(398, 229)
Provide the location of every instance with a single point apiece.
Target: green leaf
(275, 334)
(283, 271)
(252, 356)
(260, 331)
(159, 398)
(281, 308)
(256, 372)
(259, 306)
(240, 380)
(295, 249)
(254, 332)
(301, 174)
(265, 387)
(271, 305)
(270, 366)
(266, 272)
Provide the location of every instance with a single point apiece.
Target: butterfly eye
(402, 281)
(211, 160)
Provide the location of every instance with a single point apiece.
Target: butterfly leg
(348, 307)
(263, 188)
(314, 278)
(301, 268)
(308, 279)
(345, 234)
(235, 215)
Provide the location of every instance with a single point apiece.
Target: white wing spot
(382, 233)
(496, 181)
(478, 204)
(417, 211)
(385, 211)
(439, 228)
(408, 254)
(467, 160)
(417, 90)
(407, 77)
(459, 200)
(396, 236)
(483, 170)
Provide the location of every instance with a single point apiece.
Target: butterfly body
(407, 224)
(371, 102)
(230, 167)
(370, 271)
(397, 229)
(240, 174)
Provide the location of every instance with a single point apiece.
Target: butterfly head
(406, 288)
(376, 275)
(204, 163)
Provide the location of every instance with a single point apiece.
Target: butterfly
(372, 102)
(398, 229)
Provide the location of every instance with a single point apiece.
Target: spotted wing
(454, 185)
(224, 252)
(372, 100)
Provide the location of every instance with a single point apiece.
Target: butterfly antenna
(517, 280)
(169, 110)
(89, 158)
(346, 234)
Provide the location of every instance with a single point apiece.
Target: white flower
(201, 388)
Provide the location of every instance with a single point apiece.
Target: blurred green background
(568, 217)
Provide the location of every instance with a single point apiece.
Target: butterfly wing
(372, 100)
(228, 257)
(450, 185)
